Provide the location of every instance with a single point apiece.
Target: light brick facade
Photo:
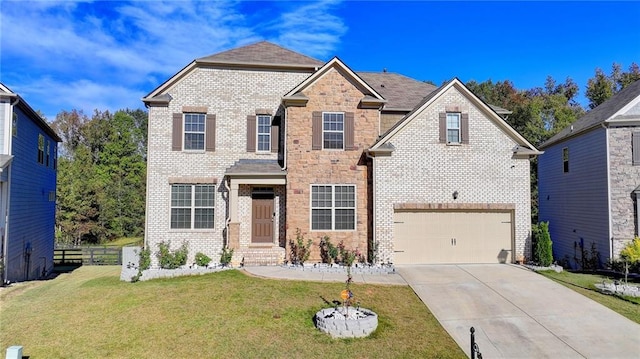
(421, 170)
(231, 94)
(485, 172)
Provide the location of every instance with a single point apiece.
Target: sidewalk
(317, 275)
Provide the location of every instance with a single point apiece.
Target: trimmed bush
(543, 253)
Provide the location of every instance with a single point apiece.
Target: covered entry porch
(256, 213)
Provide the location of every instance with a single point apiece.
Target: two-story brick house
(250, 145)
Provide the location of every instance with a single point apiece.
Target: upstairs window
(48, 153)
(565, 159)
(194, 125)
(333, 130)
(41, 149)
(193, 132)
(453, 128)
(14, 125)
(264, 133)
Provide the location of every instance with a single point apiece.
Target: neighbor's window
(264, 133)
(565, 159)
(453, 127)
(41, 149)
(192, 206)
(14, 125)
(333, 130)
(48, 152)
(333, 207)
(194, 124)
(55, 157)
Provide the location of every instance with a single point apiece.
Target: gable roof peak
(261, 53)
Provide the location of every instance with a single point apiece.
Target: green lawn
(89, 313)
(584, 284)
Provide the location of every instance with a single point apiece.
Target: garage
(431, 237)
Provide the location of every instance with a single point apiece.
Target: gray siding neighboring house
(593, 200)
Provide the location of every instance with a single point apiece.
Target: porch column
(233, 201)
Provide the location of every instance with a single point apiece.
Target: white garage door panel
(451, 237)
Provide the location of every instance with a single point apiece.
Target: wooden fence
(87, 256)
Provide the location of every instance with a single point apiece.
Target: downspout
(606, 136)
(373, 208)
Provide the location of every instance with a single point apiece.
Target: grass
(125, 242)
(585, 284)
(90, 313)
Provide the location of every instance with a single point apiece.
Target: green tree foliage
(537, 113)
(101, 175)
(543, 253)
(602, 86)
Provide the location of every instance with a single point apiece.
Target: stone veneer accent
(331, 92)
(422, 173)
(230, 94)
(624, 177)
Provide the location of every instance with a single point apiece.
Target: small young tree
(543, 245)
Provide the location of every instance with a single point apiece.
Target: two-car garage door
(426, 237)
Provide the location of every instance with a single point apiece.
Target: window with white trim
(263, 124)
(192, 206)
(194, 131)
(41, 149)
(333, 130)
(14, 125)
(333, 207)
(565, 159)
(453, 127)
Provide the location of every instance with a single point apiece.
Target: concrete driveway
(520, 314)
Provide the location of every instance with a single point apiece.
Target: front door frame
(264, 196)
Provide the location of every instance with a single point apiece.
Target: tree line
(102, 159)
(101, 176)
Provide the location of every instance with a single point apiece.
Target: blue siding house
(589, 181)
(28, 163)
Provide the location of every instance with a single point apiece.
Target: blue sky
(106, 55)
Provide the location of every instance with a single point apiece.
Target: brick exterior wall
(424, 171)
(230, 94)
(331, 92)
(624, 177)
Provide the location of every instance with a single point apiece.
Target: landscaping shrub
(202, 259)
(171, 259)
(328, 252)
(543, 246)
(631, 252)
(300, 250)
(226, 256)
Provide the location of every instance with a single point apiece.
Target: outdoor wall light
(455, 194)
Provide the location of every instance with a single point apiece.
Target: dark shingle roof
(263, 52)
(255, 167)
(599, 114)
(401, 92)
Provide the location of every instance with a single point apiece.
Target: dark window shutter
(316, 130)
(251, 133)
(176, 134)
(636, 148)
(464, 128)
(348, 131)
(442, 118)
(210, 135)
(275, 137)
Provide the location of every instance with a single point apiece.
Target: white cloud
(62, 55)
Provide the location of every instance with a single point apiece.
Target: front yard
(89, 313)
(585, 285)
